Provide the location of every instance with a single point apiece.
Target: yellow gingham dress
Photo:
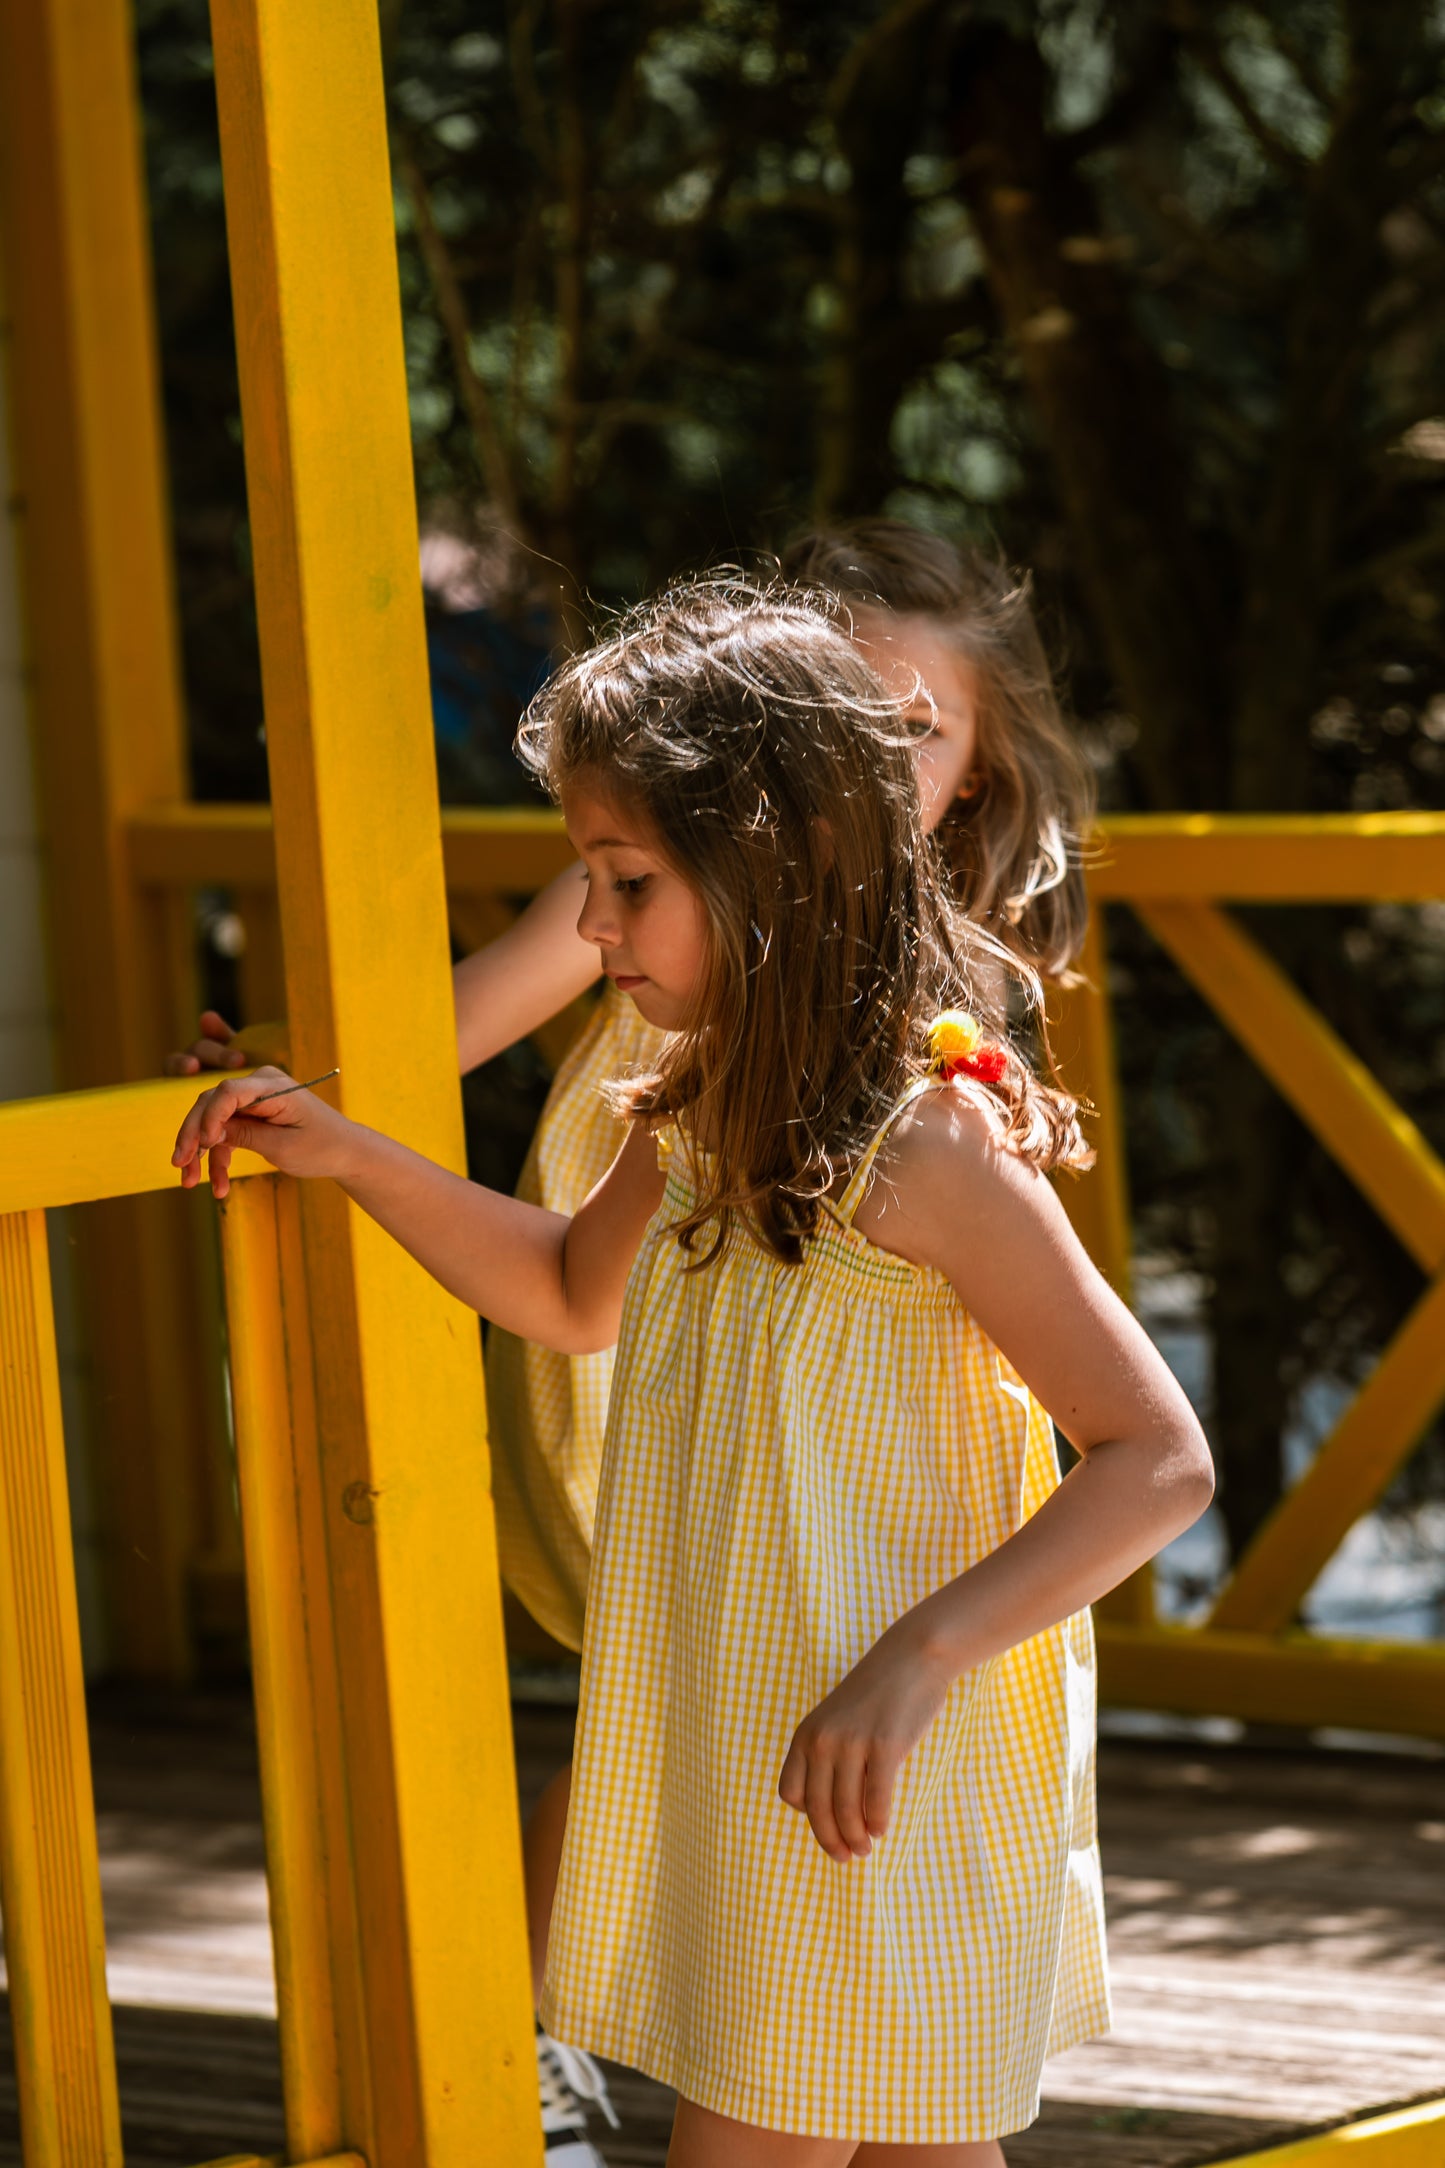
(546, 1412)
(795, 1456)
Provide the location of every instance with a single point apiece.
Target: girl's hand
(844, 1760)
(299, 1133)
(212, 1050)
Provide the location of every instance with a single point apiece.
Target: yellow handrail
(78, 1147)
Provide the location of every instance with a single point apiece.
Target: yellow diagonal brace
(1368, 1445)
(1376, 1143)
(49, 1869)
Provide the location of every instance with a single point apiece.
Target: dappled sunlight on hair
(1016, 842)
(741, 724)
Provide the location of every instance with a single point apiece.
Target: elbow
(1193, 1475)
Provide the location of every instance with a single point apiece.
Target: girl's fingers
(849, 1778)
(220, 1164)
(818, 1798)
(792, 1784)
(878, 1790)
(180, 1065)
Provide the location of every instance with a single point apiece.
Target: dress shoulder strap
(844, 1207)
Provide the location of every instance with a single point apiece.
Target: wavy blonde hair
(1016, 845)
(743, 729)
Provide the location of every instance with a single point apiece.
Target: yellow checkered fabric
(547, 1412)
(795, 1456)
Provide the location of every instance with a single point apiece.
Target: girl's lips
(625, 981)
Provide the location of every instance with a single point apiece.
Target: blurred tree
(1149, 292)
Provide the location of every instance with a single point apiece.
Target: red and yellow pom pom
(957, 1046)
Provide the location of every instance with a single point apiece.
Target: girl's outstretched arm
(952, 1197)
(502, 991)
(542, 1276)
(526, 975)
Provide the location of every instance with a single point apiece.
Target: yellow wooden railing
(1175, 871)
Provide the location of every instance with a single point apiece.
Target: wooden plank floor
(1277, 1924)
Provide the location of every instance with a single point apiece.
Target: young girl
(1000, 777)
(835, 1570)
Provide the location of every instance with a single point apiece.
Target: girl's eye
(923, 724)
(632, 887)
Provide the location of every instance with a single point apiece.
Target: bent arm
(543, 1276)
(526, 975)
(962, 1203)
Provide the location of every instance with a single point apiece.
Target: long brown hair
(745, 731)
(1015, 844)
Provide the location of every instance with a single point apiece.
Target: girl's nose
(593, 919)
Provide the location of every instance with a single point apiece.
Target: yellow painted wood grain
(432, 1813)
(76, 1147)
(293, 1663)
(49, 1866)
(1081, 1033)
(1300, 1679)
(1270, 857)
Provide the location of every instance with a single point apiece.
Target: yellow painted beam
(49, 1867)
(1375, 1142)
(1408, 2138)
(1245, 858)
(74, 1147)
(1270, 857)
(1366, 1449)
(1299, 1679)
(487, 849)
(448, 2074)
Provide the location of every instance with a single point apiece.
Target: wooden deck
(1277, 1923)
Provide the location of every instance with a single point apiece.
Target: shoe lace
(569, 2075)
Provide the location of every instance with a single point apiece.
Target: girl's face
(916, 660)
(647, 925)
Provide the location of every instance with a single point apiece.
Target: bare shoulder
(945, 1167)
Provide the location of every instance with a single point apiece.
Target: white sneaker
(567, 2079)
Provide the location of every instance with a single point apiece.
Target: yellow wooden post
(49, 1870)
(293, 1664)
(429, 1773)
(1081, 1033)
(106, 699)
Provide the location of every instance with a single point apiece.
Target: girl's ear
(971, 785)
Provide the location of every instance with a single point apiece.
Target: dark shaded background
(1150, 297)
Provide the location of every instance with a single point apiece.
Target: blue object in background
(484, 670)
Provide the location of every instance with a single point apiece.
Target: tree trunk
(1101, 403)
